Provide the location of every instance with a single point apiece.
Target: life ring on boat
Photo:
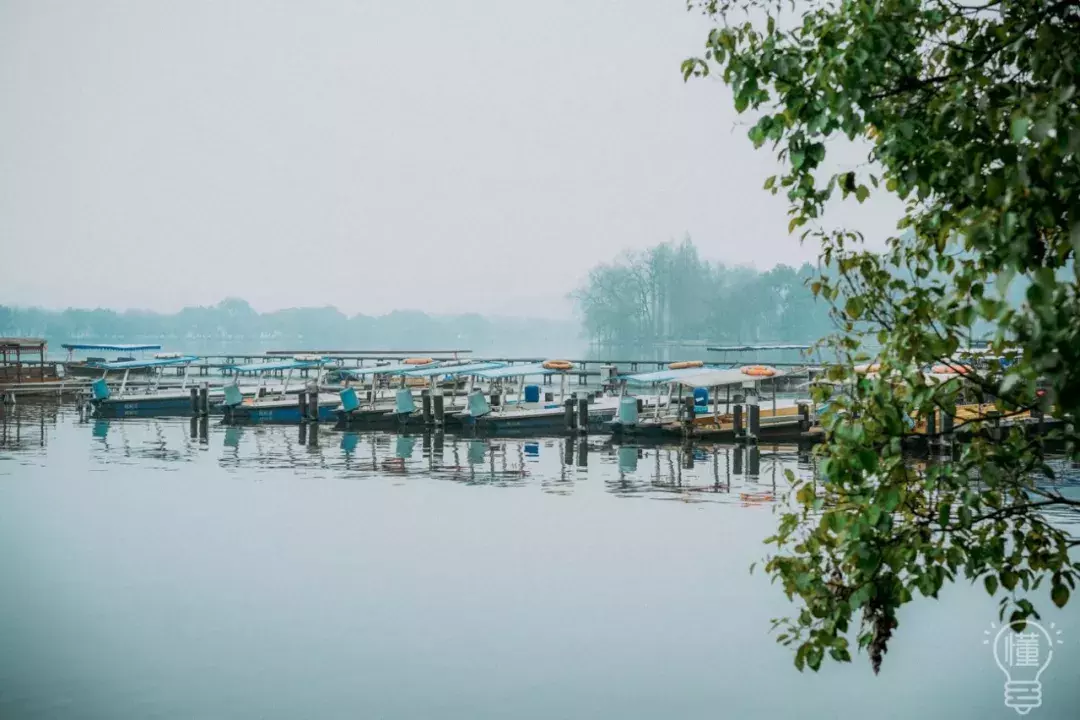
(758, 371)
(869, 368)
(306, 357)
(557, 365)
(167, 356)
(417, 361)
(950, 369)
(685, 364)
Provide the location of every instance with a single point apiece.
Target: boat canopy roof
(716, 378)
(752, 348)
(277, 365)
(137, 364)
(395, 369)
(517, 370)
(457, 369)
(117, 348)
(666, 375)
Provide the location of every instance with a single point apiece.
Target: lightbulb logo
(1023, 651)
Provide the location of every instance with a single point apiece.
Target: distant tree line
(235, 323)
(669, 293)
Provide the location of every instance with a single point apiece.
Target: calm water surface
(155, 568)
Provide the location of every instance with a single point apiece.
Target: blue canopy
(117, 348)
(666, 375)
(279, 365)
(516, 370)
(136, 364)
(398, 369)
(466, 369)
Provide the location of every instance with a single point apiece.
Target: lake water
(158, 569)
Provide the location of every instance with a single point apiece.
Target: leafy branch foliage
(970, 115)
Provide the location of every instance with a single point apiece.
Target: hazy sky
(447, 156)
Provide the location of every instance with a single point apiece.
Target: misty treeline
(233, 321)
(669, 293)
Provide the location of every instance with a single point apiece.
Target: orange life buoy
(758, 371)
(417, 361)
(685, 364)
(950, 370)
(558, 365)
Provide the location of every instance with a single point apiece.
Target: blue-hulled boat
(280, 406)
(531, 410)
(401, 407)
(88, 367)
(785, 417)
(149, 400)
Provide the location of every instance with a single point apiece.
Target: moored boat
(699, 414)
(531, 409)
(280, 405)
(90, 367)
(150, 399)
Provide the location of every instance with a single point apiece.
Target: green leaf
(991, 583)
(797, 158)
(1059, 594)
(1019, 127)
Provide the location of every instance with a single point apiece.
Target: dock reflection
(748, 476)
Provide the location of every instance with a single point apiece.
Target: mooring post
(204, 399)
(568, 414)
(754, 464)
(931, 428)
(754, 420)
(948, 421)
(440, 408)
(425, 405)
(194, 404)
(737, 461)
(688, 414)
(313, 406)
(737, 420)
(583, 414)
(804, 417)
(301, 401)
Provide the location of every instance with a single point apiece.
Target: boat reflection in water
(561, 465)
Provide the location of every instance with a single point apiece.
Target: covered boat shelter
(15, 363)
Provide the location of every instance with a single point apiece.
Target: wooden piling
(440, 408)
(301, 401)
(753, 420)
(425, 406)
(583, 414)
(568, 414)
(737, 419)
(313, 406)
(194, 407)
(688, 415)
(204, 399)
